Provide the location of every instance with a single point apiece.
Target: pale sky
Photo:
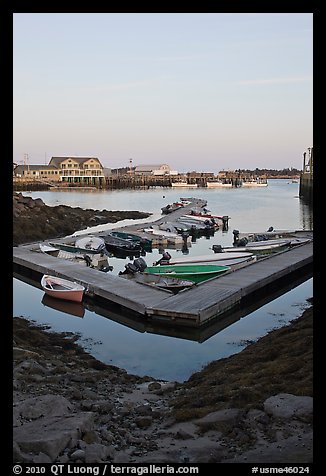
(198, 91)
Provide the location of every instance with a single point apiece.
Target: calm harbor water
(144, 349)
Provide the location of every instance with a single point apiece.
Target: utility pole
(26, 160)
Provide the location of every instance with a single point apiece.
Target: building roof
(57, 160)
(145, 168)
(21, 168)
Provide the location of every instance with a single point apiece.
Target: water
(143, 349)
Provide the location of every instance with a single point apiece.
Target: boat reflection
(68, 307)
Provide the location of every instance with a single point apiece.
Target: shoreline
(262, 411)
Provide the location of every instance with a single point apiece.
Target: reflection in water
(157, 324)
(146, 347)
(68, 307)
(306, 215)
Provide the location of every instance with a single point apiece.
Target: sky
(197, 91)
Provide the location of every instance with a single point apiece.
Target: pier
(307, 176)
(194, 307)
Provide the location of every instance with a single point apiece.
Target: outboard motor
(88, 260)
(137, 266)
(130, 269)
(242, 242)
(140, 264)
(225, 220)
(217, 249)
(164, 260)
(235, 235)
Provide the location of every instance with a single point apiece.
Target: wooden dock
(193, 307)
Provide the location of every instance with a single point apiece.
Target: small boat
(197, 226)
(62, 288)
(184, 184)
(50, 250)
(157, 281)
(145, 243)
(174, 227)
(209, 223)
(225, 257)
(120, 246)
(218, 183)
(192, 272)
(203, 213)
(168, 236)
(254, 246)
(171, 208)
(93, 243)
(296, 237)
(72, 248)
(258, 182)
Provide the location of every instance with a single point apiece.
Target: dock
(195, 307)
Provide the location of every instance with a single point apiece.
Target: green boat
(196, 273)
(144, 242)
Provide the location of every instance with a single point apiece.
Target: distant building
(84, 170)
(157, 169)
(87, 170)
(37, 172)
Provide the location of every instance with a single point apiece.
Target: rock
(78, 454)
(97, 453)
(51, 435)
(221, 420)
(287, 406)
(143, 421)
(42, 458)
(45, 406)
(154, 386)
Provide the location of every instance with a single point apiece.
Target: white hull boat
(218, 184)
(62, 288)
(184, 184)
(91, 243)
(223, 258)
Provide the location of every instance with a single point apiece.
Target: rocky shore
(35, 221)
(255, 406)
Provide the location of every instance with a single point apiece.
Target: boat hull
(184, 260)
(196, 274)
(62, 289)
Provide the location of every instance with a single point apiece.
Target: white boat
(218, 183)
(92, 243)
(205, 220)
(168, 236)
(184, 184)
(223, 258)
(50, 250)
(295, 236)
(62, 288)
(254, 183)
(253, 246)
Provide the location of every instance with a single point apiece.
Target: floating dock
(192, 307)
